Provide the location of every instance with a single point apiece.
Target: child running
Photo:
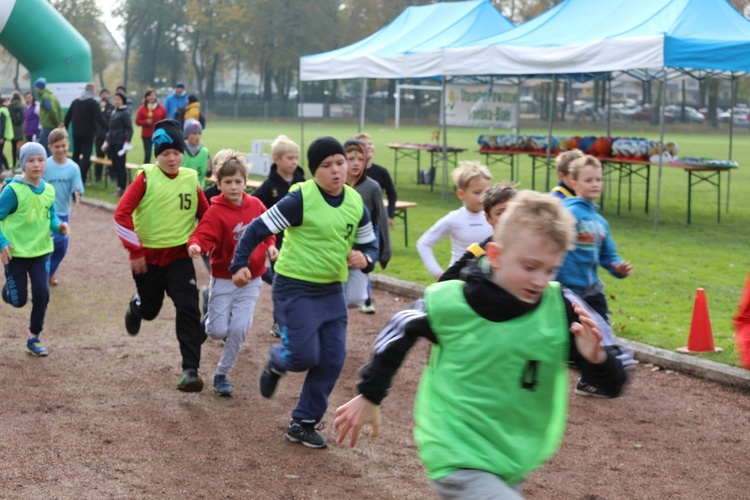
(358, 285)
(154, 219)
(285, 171)
(197, 156)
(230, 309)
(492, 403)
(64, 174)
(464, 226)
(328, 231)
(27, 215)
(562, 166)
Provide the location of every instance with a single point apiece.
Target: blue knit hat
(40, 83)
(28, 150)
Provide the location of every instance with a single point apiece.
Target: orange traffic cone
(701, 337)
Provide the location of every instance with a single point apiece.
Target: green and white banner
(491, 105)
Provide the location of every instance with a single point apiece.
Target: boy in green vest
(196, 155)
(27, 215)
(327, 230)
(492, 403)
(154, 219)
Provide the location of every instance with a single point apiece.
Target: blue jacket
(173, 103)
(594, 247)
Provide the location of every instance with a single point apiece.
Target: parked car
(740, 116)
(644, 114)
(704, 111)
(691, 114)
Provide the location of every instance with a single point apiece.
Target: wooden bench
(401, 213)
(106, 162)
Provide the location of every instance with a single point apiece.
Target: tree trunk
(713, 97)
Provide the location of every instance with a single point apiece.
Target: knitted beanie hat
(320, 149)
(28, 150)
(167, 135)
(191, 126)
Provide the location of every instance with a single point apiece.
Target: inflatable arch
(47, 45)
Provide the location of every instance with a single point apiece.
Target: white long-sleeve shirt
(463, 228)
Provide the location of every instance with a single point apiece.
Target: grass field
(671, 260)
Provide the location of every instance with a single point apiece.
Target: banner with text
(490, 105)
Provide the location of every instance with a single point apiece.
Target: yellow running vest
(165, 217)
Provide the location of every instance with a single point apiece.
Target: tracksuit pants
(313, 335)
(15, 290)
(177, 280)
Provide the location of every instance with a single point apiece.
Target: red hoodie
(221, 228)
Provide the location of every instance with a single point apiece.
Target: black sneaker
(302, 431)
(132, 318)
(222, 387)
(267, 380)
(190, 381)
(585, 389)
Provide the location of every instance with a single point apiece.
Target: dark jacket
(275, 188)
(120, 126)
(106, 109)
(85, 116)
(381, 176)
(17, 118)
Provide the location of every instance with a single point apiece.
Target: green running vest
(197, 163)
(317, 250)
(165, 217)
(493, 396)
(28, 227)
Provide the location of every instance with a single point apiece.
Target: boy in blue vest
(492, 403)
(27, 215)
(65, 175)
(154, 219)
(327, 230)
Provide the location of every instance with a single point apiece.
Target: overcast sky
(106, 6)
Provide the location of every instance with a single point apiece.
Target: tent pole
(518, 108)
(398, 106)
(731, 134)
(362, 105)
(445, 139)
(549, 131)
(663, 92)
(608, 90)
(301, 117)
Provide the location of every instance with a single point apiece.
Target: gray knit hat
(28, 150)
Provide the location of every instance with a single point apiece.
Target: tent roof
(588, 36)
(397, 50)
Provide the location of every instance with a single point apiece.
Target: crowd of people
(519, 302)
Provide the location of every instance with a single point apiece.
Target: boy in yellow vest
(154, 219)
(27, 215)
(327, 230)
(492, 403)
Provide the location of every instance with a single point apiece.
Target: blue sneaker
(35, 348)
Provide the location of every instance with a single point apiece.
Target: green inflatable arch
(47, 45)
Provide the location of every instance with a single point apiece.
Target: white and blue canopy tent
(399, 49)
(649, 39)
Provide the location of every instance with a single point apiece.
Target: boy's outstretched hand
(587, 336)
(352, 416)
(5, 256)
(623, 268)
(194, 251)
(242, 277)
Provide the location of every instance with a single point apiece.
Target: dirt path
(100, 417)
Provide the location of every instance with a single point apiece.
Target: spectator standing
(105, 109)
(6, 132)
(128, 100)
(117, 143)
(31, 117)
(85, 117)
(50, 112)
(176, 100)
(148, 115)
(16, 117)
